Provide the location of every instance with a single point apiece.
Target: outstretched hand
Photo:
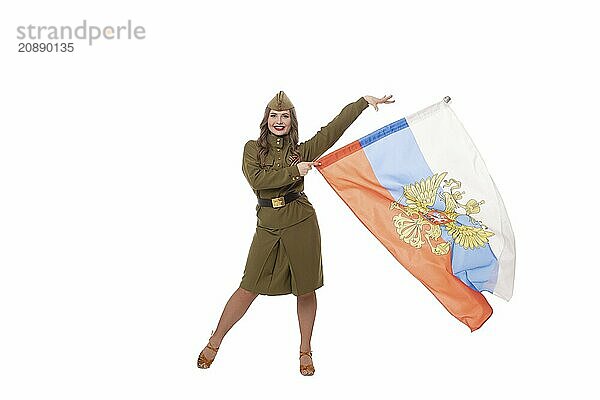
(374, 100)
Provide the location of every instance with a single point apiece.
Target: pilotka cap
(280, 102)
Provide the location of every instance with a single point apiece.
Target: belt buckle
(278, 202)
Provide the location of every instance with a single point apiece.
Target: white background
(125, 219)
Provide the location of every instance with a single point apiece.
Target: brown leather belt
(279, 201)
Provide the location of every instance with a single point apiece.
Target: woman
(285, 255)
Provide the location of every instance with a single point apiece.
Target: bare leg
(307, 310)
(234, 310)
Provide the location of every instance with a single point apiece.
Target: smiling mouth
(279, 128)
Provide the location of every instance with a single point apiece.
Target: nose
(279, 119)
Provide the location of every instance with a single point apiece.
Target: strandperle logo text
(90, 33)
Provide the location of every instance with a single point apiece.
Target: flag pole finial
(447, 99)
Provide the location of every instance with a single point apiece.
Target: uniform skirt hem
(278, 294)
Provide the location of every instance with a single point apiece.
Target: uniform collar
(277, 141)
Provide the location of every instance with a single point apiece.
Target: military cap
(280, 102)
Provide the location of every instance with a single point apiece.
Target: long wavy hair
(263, 145)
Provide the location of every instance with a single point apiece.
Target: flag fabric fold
(421, 187)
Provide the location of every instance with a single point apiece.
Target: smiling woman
(279, 122)
(285, 254)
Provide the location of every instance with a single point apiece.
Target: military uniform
(285, 255)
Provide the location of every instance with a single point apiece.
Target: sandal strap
(306, 353)
(215, 349)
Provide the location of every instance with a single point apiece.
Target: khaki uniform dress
(285, 255)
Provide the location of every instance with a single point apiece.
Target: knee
(247, 293)
(307, 296)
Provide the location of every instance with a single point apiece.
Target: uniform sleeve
(261, 178)
(328, 135)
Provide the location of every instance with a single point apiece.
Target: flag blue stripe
(383, 132)
(395, 157)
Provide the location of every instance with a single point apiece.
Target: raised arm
(329, 134)
(261, 178)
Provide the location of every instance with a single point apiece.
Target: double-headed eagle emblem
(419, 223)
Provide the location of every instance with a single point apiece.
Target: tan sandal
(307, 369)
(204, 362)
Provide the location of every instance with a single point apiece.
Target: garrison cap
(280, 102)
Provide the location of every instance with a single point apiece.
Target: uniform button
(279, 158)
(278, 149)
(278, 164)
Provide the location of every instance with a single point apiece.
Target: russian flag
(421, 187)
